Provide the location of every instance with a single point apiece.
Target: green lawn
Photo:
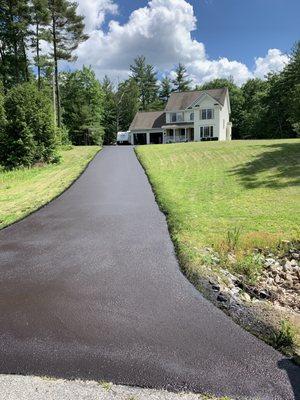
(23, 191)
(212, 189)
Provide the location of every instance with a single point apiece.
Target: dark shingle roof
(148, 120)
(182, 100)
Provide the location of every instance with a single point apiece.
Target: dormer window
(180, 117)
(191, 116)
(207, 113)
(177, 117)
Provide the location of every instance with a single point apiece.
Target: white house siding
(223, 120)
(206, 102)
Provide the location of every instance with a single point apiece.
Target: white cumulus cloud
(95, 11)
(162, 32)
(274, 61)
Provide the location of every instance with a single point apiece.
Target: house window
(180, 117)
(173, 117)
(206, 131)
(177, 117)
(207, 113)
(192, 116)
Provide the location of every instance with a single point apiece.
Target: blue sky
(239, 29)
(241, 38)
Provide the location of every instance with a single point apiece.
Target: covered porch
(178, 134)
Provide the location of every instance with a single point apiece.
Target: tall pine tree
(145, 77)
(40, 17)
(165, 89)
(181, 82)
(14, 31)
(67, 31)
(109, 116)
(127, 103)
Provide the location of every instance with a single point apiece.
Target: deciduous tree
(82, 101)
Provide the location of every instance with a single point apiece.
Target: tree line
(35, 36)
(268, 108)
(42, 108)
(261, 108)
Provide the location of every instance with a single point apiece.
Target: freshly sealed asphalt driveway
(90, 287)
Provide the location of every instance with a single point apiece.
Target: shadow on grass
(277, 167)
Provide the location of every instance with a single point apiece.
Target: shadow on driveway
(293, 374)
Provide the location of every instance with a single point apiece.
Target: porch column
(185, 134)
(148, 137)
(174, 135)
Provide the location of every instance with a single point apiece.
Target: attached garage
(139, 138)
(146, 128)
(156, 137)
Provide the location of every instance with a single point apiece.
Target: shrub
(285, 337)
(250, 266)
(62, 135)
(87, 135)
(29, 134)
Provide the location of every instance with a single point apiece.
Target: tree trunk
(58, 116)
(25, 61)
(15, 46)
(38, 55)
(4, 74)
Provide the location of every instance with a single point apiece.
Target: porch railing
(178, 139)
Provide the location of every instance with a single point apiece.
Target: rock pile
(281, 279)
(279, 283)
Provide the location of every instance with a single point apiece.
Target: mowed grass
(24, 190)
(211, 190)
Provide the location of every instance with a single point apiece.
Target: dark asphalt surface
(90, 288)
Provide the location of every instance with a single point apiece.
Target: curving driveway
(90, 287)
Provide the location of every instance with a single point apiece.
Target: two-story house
(188, 116)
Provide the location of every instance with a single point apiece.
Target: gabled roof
(148, 120)
(182, 100)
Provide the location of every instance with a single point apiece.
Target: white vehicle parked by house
(123, 138)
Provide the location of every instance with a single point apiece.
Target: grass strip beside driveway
(23, 191)
(211, 190)
(226, 203)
